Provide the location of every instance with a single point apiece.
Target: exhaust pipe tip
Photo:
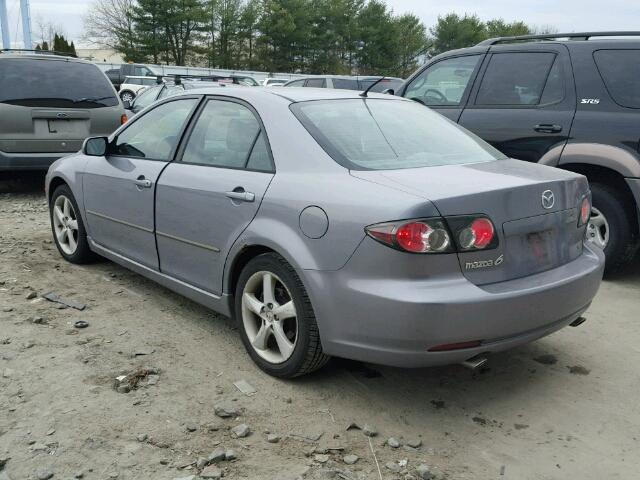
(578, 321)
(475, 363)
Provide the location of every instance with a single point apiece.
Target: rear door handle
(547, 128)
(240, 195)
(142, 182)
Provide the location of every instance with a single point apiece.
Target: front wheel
(276, 319)
(610, 226)
(127, 96)
(68, 228)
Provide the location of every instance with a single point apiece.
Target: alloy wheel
(127, 97)
(65, 224)
(269, 317)
(598, 229)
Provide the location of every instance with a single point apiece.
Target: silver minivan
(48, 105)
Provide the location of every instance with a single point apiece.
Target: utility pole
(25, 13)
(4, 24)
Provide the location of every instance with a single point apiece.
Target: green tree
(499, 28)
(149, 27)
(411, 42)
(453, 31)
(376, 36)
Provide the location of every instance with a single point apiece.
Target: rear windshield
(620, 70)
(380, 134)
(54, 83)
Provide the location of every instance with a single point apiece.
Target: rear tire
(613, 223)
(303, 353)
(67, 227)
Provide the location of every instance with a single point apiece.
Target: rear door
(444, 85)
(209, 195)
(525, 102)
(119, 189)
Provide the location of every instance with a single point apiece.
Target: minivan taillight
(429, 235)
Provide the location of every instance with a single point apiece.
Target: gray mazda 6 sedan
(331, 223)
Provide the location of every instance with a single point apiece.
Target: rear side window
(154, 135)
(54, 83)
(316, 82)
(381, 86)
(620, 70)
(297, 83)
(227, 135)
(515, 78)
(345, 84)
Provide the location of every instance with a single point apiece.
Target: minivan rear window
(52, 83)
(381, 134)
(620, 70)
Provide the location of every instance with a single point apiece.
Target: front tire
(127, 96)
(610, 227)
(67, 226)
(276, 320)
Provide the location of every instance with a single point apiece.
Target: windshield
(54, 83)
(381, 134)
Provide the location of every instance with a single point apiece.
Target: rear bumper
(395, 322)
(28, 161)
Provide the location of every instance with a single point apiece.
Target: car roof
(292, 94)
(43, 56)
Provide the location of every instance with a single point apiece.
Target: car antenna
(364, 94)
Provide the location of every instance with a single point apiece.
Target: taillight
(123, 119)
(585, 211)
(416, 236)
(473, 232)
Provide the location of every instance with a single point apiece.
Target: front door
(208, 196)
(525, 103)
(444, 85)
(119, 189)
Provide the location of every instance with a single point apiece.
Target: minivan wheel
(126, 96)
(610, 226)
(276, 320)
(68, 229)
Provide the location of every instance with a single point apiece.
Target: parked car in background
(274, 82)
(243, 80)
(331, 224)
(167, 89)
(118, 75)
(347, 83)
(567, 100)
(48, 105)
(134, 85)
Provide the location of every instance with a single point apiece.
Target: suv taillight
(434, 235)
(123, 119)
(585, 211)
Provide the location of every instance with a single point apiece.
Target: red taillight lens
(585, 212)
(123, 119)
(418, 236)
(479, 234)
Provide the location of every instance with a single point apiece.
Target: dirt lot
(565, 407)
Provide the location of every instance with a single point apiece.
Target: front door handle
(142, 182)
(547, 128)
(240, 195)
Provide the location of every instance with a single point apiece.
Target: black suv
(567, 100)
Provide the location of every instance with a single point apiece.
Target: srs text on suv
(566, 100)
(48, 105)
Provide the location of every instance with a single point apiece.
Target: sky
(564, 15)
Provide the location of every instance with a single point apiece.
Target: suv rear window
(620, 70)
(54, 83)
(380, 134)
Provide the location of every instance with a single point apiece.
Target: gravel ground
(564, 407)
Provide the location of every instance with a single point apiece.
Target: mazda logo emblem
(548, 199)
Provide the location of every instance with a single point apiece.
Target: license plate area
(540, 246)
(61, 126)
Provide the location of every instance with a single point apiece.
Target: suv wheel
(276, 319)
(126, 96)
(610, 226)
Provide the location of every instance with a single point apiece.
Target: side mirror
(95, 146)
(389, 91)
(126, 104)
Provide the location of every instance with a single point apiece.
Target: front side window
(226, 135)
(155, 135)
(620, 70)
(444, 83)
(515, 78)
(316, 82)
(53, 83)
(380, 134)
